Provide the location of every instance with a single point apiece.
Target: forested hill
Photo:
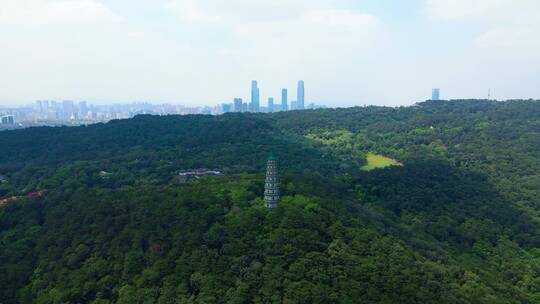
(433, 203)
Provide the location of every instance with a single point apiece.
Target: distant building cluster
(254, 105)
(7, 119)
(69, 112)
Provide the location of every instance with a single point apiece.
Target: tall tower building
(284, 100)
(300, 99)
(271, 186)
(436, 94)
(270, 104)
(255, 97)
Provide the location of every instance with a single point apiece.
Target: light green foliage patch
(376, 161)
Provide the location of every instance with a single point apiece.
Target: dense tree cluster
(459, 222)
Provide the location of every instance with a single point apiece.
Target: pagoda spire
(271, 186)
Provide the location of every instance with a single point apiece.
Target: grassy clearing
(376, 161)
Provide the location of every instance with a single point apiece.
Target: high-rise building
(238, 105)
(52, 115)
(271, 186)
(44, 108)
(83, 109)
(255, 97)
(226, 108)
(270, 105)
(68, 109)
(436, 94)
(39, 106)
(284, 100)
(300, 100)
(245, 107)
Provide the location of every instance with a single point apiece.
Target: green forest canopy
(457, 223)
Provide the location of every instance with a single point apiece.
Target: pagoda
(271, 186)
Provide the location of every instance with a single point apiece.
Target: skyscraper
(238, 104)
(68, 108)
(255, 97)
(284, 100)
(436, 94)
(271, 186)
(39, 106)
(300, 99)
(83, 109)
(270, 104)
(227, 108)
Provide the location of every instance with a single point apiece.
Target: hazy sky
(191, 52)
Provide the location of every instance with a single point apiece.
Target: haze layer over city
(206, 52)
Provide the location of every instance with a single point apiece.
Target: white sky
(197, 52)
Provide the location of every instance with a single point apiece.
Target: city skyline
(198, 52)
(255, 96)
(249, 97)
(69, 112)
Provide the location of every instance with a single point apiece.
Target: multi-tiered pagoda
(271, 186)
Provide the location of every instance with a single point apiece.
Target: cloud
(518, 40)
(507, 27)
(297, 32)
(47, 12)
(235, 11)
(208, 43)
(346, 18)
(79, 49)
(189, 10)
(484, 10)
(320, 34)
(502, 50)
(207, 51)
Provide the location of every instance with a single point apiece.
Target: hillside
(456, 221)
